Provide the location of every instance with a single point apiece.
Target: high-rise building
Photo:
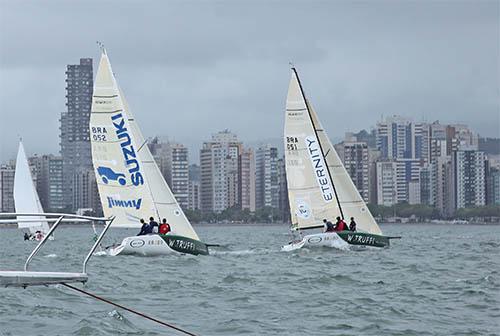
(75, 140)
(194, 187)
(444, 190)
(266, 177)
(172, 159)
(247, 179)
(219, 160)
(356, 162)
(393, 178)
(7, 172)
(427, 184)
(401, 138)
(386, 183)
(493, 186)
(85, 192)
(469, 178)
(414, 196)
(49, 181)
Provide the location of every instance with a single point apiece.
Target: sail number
(99, 133)
(291, 143)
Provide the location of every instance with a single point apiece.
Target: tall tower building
(75, 140)
(172, 159)
(7, 188)
(356, 161)
(194, 187)
(267, 177)
(469, 174)
(247, 179)
(401, 138)
(219, 163)
(49, 182)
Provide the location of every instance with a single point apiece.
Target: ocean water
(437, 280)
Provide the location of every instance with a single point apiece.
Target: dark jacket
(329, 227)
(352, 226)
(145, 229)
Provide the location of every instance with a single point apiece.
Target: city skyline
(202, 77)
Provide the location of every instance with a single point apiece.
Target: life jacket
(164, 228)
(341, 226)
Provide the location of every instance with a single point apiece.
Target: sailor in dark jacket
(329, 226)
(145, 228)
(352, 225)
(152, 225)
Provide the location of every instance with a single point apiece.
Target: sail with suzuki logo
(130, 184)
(319, 186)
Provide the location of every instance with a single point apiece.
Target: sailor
(164, 227)
(145, 229)
(329, 226)
(340, 225)
(26, 236)
(352, 225)
(153, 224)
(38, 235)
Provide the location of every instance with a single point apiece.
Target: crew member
(340, 225)
(145, 228)
(26, 236)
(329, 226)
(164, 227)
(153, 224)
(352, 225)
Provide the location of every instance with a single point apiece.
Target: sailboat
(319, 186)
(26, 199)
(131, 186)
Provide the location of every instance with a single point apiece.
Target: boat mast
(319, 142)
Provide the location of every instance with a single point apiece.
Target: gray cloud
(189, 69)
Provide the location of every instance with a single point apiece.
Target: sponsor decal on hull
(136, 243)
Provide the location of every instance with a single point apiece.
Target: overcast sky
(189, 69)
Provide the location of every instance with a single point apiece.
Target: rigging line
(319, 142)
(129, 310)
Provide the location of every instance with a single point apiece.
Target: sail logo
(128, 150)
(319, 167)
(303, 209)
(118, 203)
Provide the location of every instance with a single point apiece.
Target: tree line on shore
(420, 212)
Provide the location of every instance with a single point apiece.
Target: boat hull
(158, 244)
(341, 240)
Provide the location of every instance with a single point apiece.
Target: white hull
(330, 239)
(147, 245)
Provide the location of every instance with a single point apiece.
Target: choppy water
(437, 280)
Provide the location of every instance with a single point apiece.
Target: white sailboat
(26, 199)
(130, 183)
(319, 187)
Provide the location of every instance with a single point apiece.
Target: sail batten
(319, 186)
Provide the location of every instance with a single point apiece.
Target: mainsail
(130, 183)
(26, 198)
(319, 187)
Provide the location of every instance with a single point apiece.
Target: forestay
(310, 191)
(26, 198)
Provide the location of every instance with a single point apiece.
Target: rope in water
(130, 310)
